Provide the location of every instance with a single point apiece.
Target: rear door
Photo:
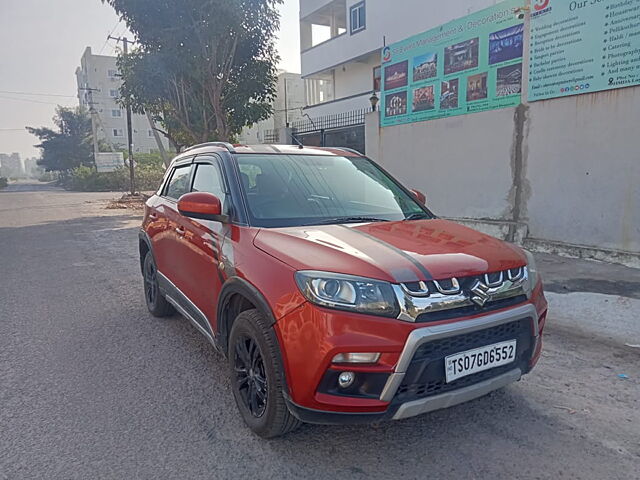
(205, 239)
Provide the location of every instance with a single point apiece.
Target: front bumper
(402, 395)
(408, 409)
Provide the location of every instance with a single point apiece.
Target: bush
(48, 177)
(3, 182)
(148, 172)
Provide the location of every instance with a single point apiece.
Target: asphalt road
(91, 386)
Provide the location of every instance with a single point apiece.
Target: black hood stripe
(416, 263)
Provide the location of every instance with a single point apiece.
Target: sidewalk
(593, 298)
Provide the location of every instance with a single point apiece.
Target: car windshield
(295, 190)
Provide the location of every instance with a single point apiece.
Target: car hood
(391, 251)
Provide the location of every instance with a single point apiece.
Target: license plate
(479, 359)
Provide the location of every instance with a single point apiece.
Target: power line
(117, 38)
(27, 100)
(38, 94)
(110, 33)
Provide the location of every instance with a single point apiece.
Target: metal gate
(340, 130)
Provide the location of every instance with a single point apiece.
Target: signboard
(468, 65)
(108, 162)
(583, 46)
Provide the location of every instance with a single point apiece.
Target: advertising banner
(583, 46)
(109, 162)
(468, 65)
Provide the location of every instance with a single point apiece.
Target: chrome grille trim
(497, 283)
(455, 287)
(436, 298)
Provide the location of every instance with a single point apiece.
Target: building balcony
(325, 41)
(359, 102)
(307, 7)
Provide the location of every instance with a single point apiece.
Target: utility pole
(132, 172)
(94, 121)
(286, 103)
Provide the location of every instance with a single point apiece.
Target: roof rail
(226, 145)
(351, 150)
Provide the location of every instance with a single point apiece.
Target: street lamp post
(374, 102)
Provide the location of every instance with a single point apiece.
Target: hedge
(148, 175)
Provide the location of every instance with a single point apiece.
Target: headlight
(346, 292)
(532, 271)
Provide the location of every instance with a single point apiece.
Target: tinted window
(179, 183)
(208, 179)
(288, 190)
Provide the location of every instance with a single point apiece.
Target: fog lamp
(345, 380)
(356, 358)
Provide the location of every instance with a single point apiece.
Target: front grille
(470, 310)
(425, 375)
(444, 299)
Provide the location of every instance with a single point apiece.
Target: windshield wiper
(418, 216)
(340, 220)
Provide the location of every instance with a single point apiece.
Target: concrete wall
(583, 168)
(572, 177)
(340, 106)
(355, 77)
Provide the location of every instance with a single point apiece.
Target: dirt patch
(128, 202)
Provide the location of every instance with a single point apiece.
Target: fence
(339, 130)
(271, 136)
(328, 122)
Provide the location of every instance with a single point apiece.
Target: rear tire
(156, 303)
(257, 376)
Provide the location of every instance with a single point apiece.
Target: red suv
(334, 293)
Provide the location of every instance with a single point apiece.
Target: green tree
(203, 68)
(68, 147)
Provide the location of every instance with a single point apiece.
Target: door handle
(180, 231)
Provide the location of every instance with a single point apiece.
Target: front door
(204, 240)
(168, 243)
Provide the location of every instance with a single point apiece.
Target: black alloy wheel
(156, 303)
(150, 283)
(251, 378)
(257, 376)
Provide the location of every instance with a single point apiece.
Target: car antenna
(300, 145)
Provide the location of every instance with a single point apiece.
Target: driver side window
(208, 178)
(179, 183)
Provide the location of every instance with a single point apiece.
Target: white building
(98, 83)
(341, 40)
(287, 108)
(11, 166)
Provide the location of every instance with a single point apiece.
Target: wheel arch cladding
(144, 247)
(238, 295)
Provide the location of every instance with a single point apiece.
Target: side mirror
(201, 205)
(421, 197)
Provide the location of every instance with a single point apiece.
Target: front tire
(257, 376)
(156, 303)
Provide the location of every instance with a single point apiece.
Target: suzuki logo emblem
(480, 293)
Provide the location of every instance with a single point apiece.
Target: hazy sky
(41, 42)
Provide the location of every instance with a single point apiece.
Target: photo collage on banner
(468, 65)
